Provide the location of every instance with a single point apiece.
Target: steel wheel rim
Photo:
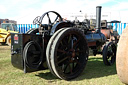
(10, 41)
(111, 54)
(33, 55)
(63, 64)
(49, 48)
(48, 16)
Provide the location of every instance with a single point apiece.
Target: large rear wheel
(49, 48)
(33, 31)
(68, 53)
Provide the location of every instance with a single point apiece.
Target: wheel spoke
(76, 61)
(112, 58)
(69, 37)
(65, 41)
(77, 42)
(72, 65)
(64, 70)
(70, 68)
(55, 19)
(62, 51)
(111, 61)
(49, 18)
(60, 61)
(80, 51)
(68, 42)
(114, 49)
(62, 46)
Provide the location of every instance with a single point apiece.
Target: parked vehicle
(61, 46)
(5, 30)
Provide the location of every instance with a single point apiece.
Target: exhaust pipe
(98, 18)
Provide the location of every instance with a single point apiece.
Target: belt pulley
(32, 55)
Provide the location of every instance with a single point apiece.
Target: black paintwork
(45, 33)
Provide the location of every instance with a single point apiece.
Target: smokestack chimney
(98, 18)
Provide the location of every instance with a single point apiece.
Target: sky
(24, 11)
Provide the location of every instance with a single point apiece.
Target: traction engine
(63, 46)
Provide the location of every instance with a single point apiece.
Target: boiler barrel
(95, 37)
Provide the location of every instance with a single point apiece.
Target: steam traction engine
(62, 46)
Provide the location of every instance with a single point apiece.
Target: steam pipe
(98, 18)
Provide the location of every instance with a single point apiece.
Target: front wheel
(8, 41)
(109, 53)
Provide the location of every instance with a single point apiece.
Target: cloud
(3, 9)
(123, 16)
(66, 7)
(118, 11)
(24, 11)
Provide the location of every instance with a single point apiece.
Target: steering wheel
(50, 23)
(36, 20)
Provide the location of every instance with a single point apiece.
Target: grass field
(95, 73)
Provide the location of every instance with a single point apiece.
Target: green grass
(95, 73)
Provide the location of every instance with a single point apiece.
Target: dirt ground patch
(4, 47)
